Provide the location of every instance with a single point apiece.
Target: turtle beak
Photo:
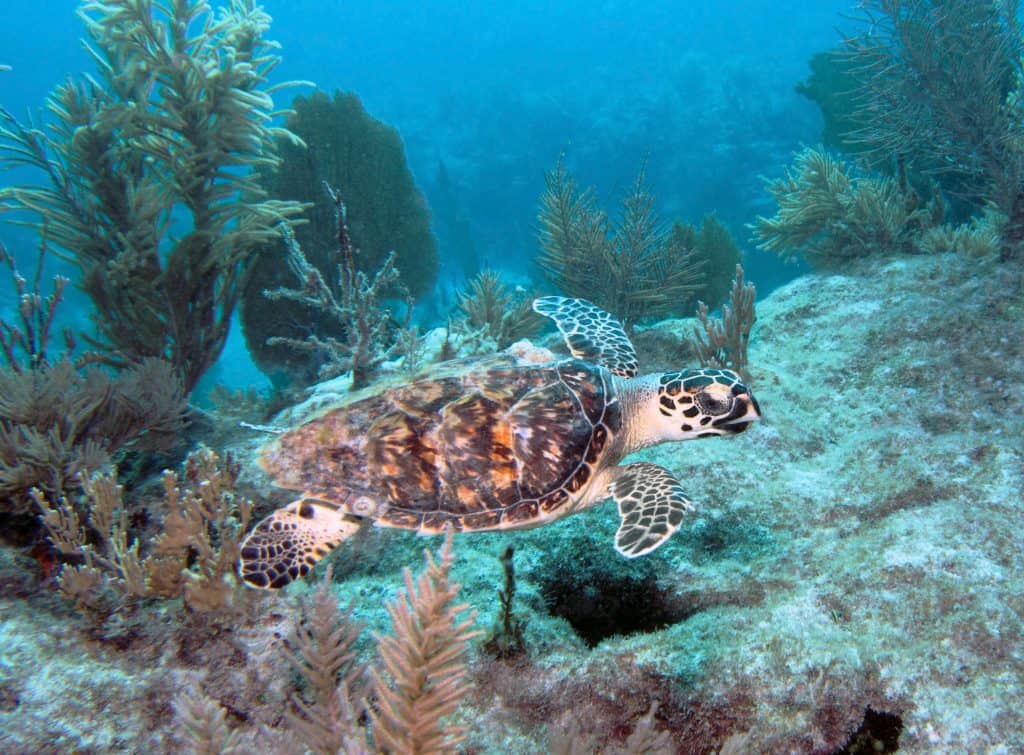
(745, 411)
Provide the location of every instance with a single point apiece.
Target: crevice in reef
(600, 604)
(878, 732)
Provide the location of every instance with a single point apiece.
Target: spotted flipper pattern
(287, 544)
(591, 333)
(651, 504)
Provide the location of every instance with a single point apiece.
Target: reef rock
(854, 574)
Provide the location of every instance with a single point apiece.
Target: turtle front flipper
(651, 504)
(591, 333)
(287, 544)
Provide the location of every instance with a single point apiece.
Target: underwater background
(702, 97)
(225, 220)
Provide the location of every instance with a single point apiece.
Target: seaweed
(830, 212)
(631, 267)
(147, 168)
(941, 89)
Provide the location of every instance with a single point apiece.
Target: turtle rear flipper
(288, 544)
(652, 505)
(591, 333)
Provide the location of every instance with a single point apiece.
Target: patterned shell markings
(485, 450)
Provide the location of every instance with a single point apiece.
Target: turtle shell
(486, 449)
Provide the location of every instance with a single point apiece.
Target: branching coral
(630, 267)
(575, 739)
(981, 237)
(354, 303)
(496, 313)
(425, 659)
(326, 717)
(723, 343)
(112, 566)
(422, 678)
(148, 165)
(58, 420)
(829, 214)
(506, 639)
(934, 79)
(203, 727)
(941, 87)
(25, 344)
(194, 557)
(347, 148)
(204, 521)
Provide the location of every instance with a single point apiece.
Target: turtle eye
(713, 405)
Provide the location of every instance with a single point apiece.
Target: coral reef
(631, 267)
(148, 164)
(494, 314)
(724, 342)
(830, 214)
(354, 303)
(943, 99)
(852, 574)
(850, 580)
(717, 254)
(364, 160)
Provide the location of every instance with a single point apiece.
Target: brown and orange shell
(488, 449)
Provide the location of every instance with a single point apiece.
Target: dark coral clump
(832, 86)
(716, 252)
(59, 423)
(363, 158)
(62, 419)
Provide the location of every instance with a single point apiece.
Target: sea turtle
(496, 448)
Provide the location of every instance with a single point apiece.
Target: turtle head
(703, 403)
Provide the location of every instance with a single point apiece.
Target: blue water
(703, 96)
